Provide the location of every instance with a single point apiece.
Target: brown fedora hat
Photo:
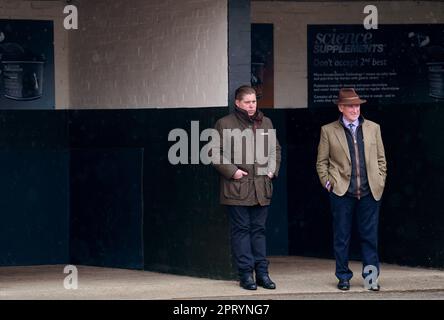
(348, 96)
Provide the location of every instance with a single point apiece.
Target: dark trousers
(366, 212)
(248, 245)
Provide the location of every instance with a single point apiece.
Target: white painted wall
(156, 53)
(173, 53)
(290, 21)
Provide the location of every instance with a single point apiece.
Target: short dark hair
(243, 90)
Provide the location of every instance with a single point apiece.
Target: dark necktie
(352, 129)
(353, 132)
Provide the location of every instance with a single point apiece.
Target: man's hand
(270, 175)
(239, 174)
(328, 186)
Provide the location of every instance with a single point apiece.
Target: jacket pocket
(333, 177)
(381, 179)
(268, 187)
(236, 189)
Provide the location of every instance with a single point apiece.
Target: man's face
(248, 103)
(350, 112)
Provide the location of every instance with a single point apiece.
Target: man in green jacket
(249, 159)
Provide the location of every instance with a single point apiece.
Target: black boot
(265, 281)
(247, 282)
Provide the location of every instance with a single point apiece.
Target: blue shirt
(347, 123)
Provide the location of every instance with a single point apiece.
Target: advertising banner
(394, 64)
(26, 64)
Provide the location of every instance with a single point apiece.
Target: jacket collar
(340, 134)
(360, 119)
(243, 116)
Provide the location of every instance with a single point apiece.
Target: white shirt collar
(347, 123)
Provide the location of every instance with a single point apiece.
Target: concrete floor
(296, 278)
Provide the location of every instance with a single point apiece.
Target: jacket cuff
(229, 171)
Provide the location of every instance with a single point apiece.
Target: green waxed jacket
(255, 134)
